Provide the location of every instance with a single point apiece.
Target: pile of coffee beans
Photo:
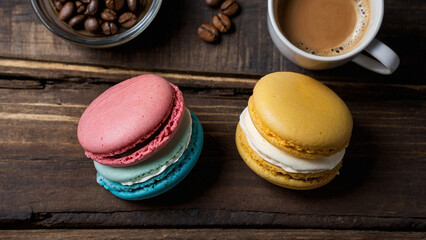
(221, 22)
(100, 16)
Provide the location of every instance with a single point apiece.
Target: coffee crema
(323, 27)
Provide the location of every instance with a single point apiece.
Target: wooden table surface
(48, 187)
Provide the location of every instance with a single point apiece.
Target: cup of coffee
(323, 34)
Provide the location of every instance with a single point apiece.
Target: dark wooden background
(48, 187)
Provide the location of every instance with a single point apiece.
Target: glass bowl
(49, 18)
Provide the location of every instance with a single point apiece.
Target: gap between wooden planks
(206, 234)
(50, 71)
(54, 70)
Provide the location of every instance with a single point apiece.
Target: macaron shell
(176, 145)
(138, 154)
(277, 175)
(166, 180)
(128, 112)
(300, 114)
(287, 145)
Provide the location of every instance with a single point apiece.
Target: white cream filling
(281, 158)
(168, 150)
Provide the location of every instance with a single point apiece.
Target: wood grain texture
(171, 44)
(205, 234)
(77, 73)
(46, 181)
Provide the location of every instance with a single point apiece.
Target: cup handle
(386, 61)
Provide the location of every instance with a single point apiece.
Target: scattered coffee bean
(63, 1)
(86, 1)
(208, 33)
(80, 7)
(128, 19)
(92, 7)
(109, 28)
(222, 22)
(66, 11)
(91, 24)
(108, 15)
(229, 7)
(75, 21)
(115, 5)
(213, 3)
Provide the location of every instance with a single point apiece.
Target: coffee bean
(119, 4)
(208, 33)
(58, 5)
(91, 24)
(63, 1)
(110, 4)
(75, 21)
(109, 28)
(213, 3)
(79, 6)
(92, 7)
(66, 11)
(222, 22)
(115, 5)
(128, 19)
(86, 1)
(133, 5)
(108, 15)
(229, 7)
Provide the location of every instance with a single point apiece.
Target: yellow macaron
(294, 131)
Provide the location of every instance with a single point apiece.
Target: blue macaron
(170, 175)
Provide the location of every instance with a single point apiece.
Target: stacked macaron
(141, 137)
(294, 131)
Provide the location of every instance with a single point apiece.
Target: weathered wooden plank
(46, 181)
(77, 73)
(205, 234)
(190, 218)
(34, 74)
(171, 43)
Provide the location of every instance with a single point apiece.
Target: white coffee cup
(386, 60)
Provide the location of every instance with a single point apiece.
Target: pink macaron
(131, 121)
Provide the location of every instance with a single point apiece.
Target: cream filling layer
(280, 158)
(167, 152)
